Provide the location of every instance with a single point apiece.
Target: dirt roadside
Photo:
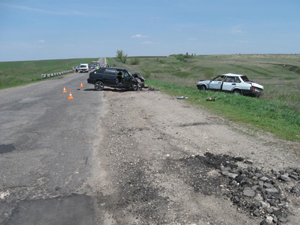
(162, 161)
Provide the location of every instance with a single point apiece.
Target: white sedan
(234, 83)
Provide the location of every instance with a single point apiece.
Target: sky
(59, 29)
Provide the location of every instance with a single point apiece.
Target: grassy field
(278, 111)
(24, 72)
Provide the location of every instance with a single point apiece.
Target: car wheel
(202, 88)
(135, 87)
(99, 85)
(237, 92)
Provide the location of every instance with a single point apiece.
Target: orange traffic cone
(81, 85)
(64, 91)
(70, 95)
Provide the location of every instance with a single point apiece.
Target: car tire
(135, 87)
(237, 92)
(99, 85)
(202, 88)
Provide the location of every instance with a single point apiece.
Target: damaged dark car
(116, 78)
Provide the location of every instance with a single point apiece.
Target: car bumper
(90, 81)
(253, 93)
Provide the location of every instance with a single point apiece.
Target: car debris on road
(182, 97)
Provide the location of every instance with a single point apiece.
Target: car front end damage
(203, 84)
(139, 79)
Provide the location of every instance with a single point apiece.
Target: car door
(127, 79)
(216, 83)
(110, 77)
(229, 83)
(97, 74)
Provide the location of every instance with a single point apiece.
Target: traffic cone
(81, 85)
(64, 91)
(70, 95)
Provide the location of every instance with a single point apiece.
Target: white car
(84, 67)
(234, 83)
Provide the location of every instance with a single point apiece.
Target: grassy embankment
(24, 72)
(278, 111)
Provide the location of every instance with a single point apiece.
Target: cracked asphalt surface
(46, 154)
(123, 157)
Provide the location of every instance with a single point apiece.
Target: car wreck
(234, 83)
(116, 78)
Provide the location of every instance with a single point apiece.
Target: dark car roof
(115, 68)
(102, 69)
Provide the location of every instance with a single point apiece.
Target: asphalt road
(102, 61)
(47, 144)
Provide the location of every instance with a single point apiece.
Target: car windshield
(218, 78)
(82, 66)
(245, 78)
(126, 73)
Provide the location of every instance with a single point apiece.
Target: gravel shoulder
(160, 161)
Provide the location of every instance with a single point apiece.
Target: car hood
(203, 82)
(256, 85)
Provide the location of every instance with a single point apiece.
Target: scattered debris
(4, 194)
(213, 99)
(152, 88)
(182, 97)
(210, 99)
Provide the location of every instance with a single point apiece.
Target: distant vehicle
(84, 67)
(92, 66)
(234, 83)
(115, 77)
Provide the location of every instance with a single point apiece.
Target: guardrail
(55, 74)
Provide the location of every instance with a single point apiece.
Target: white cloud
(148, 42)
(139, 36)
(237, 30)
(65, 13)
(42, 41)
(192, 39)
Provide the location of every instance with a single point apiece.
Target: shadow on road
(108, 89)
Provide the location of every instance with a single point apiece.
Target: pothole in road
(6, 148)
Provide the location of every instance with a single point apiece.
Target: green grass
(109, 61)
(24, 72)
(277, 111)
